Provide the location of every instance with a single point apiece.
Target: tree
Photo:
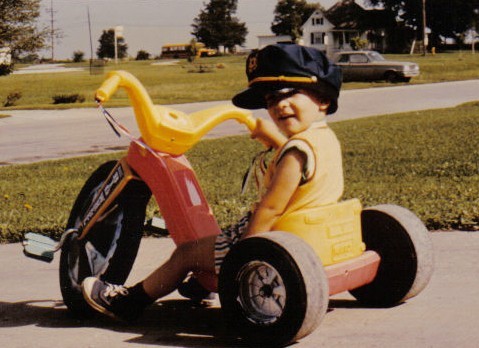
(445, 18)
(215, 25)
(107, 45)
(142, 55)
(78, 56)
(17, 27)
(290, 15)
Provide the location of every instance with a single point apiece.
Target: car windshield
(375, 56)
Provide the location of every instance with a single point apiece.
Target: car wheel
(391, 76)
(403, 243)
(273, 289)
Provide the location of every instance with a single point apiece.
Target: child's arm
(283, 185)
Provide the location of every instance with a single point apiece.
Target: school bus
(184, 50)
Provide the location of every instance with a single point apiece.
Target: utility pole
(91, 42)
(52, 30)
(424, 33)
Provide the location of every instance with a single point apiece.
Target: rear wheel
(273, 289)
(405, 248)
(111, 246)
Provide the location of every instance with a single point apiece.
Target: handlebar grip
(108, 88)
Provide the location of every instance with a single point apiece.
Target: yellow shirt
(322, 181)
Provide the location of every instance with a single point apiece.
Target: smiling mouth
(285, 117)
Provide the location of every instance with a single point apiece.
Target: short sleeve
(306, 149)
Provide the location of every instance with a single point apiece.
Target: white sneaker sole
(87, 287)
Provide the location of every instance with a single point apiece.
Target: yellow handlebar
(107, 88)
(165, 129)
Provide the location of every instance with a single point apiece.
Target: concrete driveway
(31, 309)
(445, 314)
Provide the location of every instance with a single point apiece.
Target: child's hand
(267, 133)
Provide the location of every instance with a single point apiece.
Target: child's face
(294, 110)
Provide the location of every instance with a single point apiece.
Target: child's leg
(194, 256)
(119, 301)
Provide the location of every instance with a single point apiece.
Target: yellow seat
(333, 231)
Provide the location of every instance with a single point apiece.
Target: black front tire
(403, 243)
(111, 246)
(273, 289)
(391, 77)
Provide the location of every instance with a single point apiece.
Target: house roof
(345, 14)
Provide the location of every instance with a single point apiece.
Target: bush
(142, 55)
(68, 98)
(12, 98)
(5, 69)
(78, 56)
(358, 44)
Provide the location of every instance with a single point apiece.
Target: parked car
(371, 65)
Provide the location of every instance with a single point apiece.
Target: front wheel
(273, 289)
(391, 77)
(405, 248)
(110, 248)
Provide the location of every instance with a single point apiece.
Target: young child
(299, 87)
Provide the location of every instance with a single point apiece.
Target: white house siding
(265, 40)
(317, 32)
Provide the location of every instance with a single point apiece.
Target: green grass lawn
(175, 84)
(425, 161)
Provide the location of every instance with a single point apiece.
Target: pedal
(39, 247)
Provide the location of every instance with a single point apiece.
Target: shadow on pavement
(165, 323)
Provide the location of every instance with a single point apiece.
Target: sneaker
(193, 290)
(110, 299)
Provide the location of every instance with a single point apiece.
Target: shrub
(78, 56)
(12, 98)
(68, 98)
(358, 44)
(5, 69)
(142, 55)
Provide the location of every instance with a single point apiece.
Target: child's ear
(324, 105)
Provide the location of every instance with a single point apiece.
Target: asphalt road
(445, 314)
(34, 135)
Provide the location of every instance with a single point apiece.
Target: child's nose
(283, 103)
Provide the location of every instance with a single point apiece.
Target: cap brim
(253, 97)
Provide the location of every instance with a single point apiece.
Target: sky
(147, 24)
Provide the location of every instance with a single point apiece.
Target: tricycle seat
(333, 231)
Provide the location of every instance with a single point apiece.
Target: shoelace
(113, 291)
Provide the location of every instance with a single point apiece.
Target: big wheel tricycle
(274, 288)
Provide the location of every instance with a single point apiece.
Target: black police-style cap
(288, 65)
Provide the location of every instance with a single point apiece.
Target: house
(338, 27)
(5, 56)
(265, 40)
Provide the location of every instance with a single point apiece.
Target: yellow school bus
(184, 50)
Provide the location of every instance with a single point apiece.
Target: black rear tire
(405, 248)
(111, 246)
(273, 289)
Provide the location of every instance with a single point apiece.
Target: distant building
(334, 29)
(265, 40)
(5, 56)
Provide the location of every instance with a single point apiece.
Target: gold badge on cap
(252, 63)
